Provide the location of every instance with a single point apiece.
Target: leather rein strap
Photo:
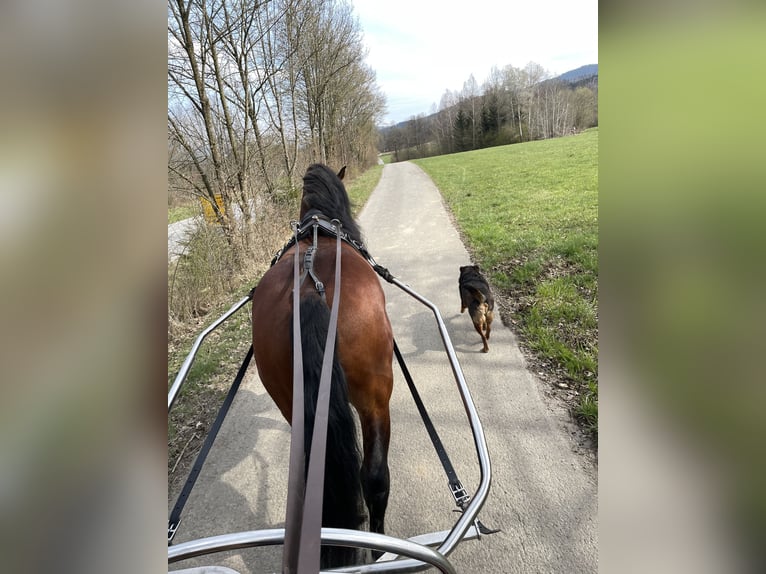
(303, 520)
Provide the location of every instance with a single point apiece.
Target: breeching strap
(303, 522)
(459, 493)
(175, 515)
(456, 487)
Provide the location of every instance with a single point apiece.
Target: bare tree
(258, 89)
(189, 61)
(334, 80)
(470, 94)
(585, 102)
(446, 120)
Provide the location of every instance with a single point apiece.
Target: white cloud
(419, 48)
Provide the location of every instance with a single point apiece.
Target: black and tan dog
(476, 296)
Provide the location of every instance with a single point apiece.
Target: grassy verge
(206, 385)
(360, 188)
(202, 284)
(529, 214)
(181, 212)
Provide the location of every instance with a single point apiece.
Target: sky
(421, 48)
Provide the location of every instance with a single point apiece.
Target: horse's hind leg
(376, 432)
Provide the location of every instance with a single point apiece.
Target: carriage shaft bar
(471, 511)
(422, 555)
(184, 371)
(419, 557)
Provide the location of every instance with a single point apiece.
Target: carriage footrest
(484, 530)
(436, 538)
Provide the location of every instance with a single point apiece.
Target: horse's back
(365, 338)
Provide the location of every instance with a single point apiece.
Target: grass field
(181, 212)
(529, 214)
(360, 188)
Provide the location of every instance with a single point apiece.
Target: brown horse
(362, 369)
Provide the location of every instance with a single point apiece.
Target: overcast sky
(420, 48)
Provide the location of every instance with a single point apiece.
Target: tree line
(513, 105)
(257, 90)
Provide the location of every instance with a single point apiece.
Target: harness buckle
(308, 258)
(308, 266)
(172, 529)
(459, 493)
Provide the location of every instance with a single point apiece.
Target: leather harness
(303, 521)
(302, 544)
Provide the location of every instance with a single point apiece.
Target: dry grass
(202, 284)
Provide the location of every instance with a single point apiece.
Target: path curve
(178, 234)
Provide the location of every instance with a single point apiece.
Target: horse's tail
(343, 503)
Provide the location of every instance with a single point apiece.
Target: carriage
(344, 355)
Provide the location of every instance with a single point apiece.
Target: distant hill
(583, 76)
(579, 74)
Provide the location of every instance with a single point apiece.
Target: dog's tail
(476, 293)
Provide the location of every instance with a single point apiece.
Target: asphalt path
(179, 231)
(178, 234)
(543, 494)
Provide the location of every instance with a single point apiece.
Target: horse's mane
(324, 191)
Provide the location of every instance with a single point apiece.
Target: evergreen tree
(462, 131)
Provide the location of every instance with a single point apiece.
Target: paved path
(543, 495)
(178, 233)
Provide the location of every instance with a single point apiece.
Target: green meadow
(182, 212)
(360, 188)
(529, 215)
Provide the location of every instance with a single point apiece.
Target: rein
(303, 520)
